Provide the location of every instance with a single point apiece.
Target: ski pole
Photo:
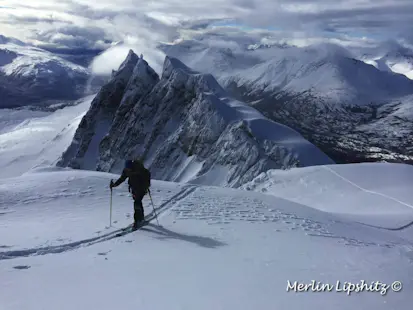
(110, 213)
(153, 206)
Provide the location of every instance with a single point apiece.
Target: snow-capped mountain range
(185, 127)
(350, 109)
(33, 76)
(353, 108)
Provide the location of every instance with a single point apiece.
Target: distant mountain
(6, 40)
(266, 45)
(392, 57)
(210, 59)
(82, 57)
(185, 127)
(33, 76)
(335, 101)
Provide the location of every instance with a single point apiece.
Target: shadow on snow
(164, 233)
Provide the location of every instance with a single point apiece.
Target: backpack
(144, 174)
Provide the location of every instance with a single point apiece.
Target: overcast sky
(140, 24)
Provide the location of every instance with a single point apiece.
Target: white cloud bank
(141, 24)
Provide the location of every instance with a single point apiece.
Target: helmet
(129, 164)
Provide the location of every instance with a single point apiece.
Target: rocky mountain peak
(127, 66)
(133, 78)
(180, 75)
(142, 73)
(185, 127)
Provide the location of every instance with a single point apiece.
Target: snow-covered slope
(375, 194)
(8, 40)
(31, 138)
(332, 99)
(392, 56)
(333, 78)
(185, 127)
(33, 76)
(214, 249)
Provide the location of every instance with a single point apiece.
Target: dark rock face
(182, 125)
(98, 120)
(350, 134)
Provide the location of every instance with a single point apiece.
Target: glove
(111, 185)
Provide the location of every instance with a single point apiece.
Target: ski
(129, 229)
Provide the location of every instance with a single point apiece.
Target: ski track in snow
(366, 190)
(374, 193)
(185, 192)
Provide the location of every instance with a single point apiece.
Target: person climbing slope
(139, 180)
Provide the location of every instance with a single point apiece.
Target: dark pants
(137, 205)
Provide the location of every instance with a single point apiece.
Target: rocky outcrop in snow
(108, 108)
(185, 127)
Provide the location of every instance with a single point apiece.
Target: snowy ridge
(208, 59)
(32, 76)
(186, 128)
(31, 61)
(329, 73)
(7, 40)
(393, 57)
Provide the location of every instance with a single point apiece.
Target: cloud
(141, 24)
(110, 60)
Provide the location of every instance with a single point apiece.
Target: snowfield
(29, 138)
(371, 193)
(215, 248)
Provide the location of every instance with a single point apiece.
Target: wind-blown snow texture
(33, 76)
(185, 127)
(335, 101)
(215, 249)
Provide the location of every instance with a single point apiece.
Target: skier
(139, 183)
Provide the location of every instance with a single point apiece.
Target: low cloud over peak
(141, 25)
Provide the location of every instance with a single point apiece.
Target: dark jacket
(136, 180)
